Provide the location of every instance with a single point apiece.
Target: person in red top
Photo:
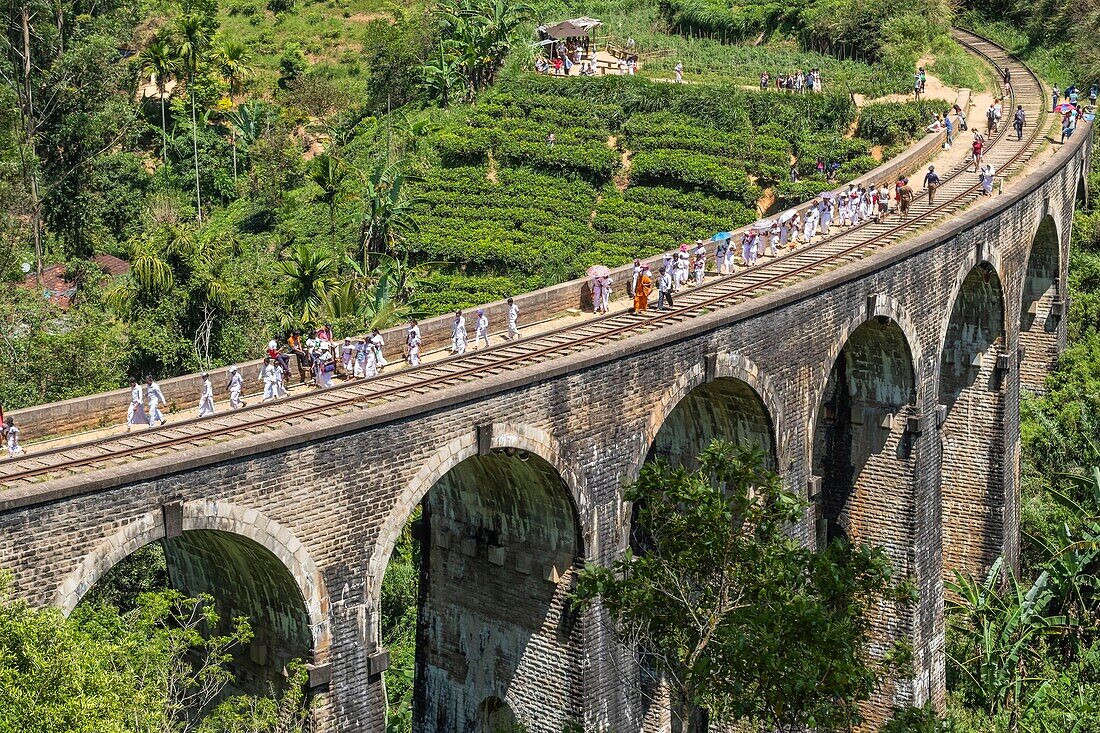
(978, 147)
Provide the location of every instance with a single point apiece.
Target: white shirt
(155, 395)
(269, 374)
(236, 382)
(136, 396)
(413, 337)
(483, 323)
(207, 392)
(513, 313)
(459, 326)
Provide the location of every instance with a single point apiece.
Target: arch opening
(971, 433)
(862, 447)
(496, 543)
(1041, 306)
(244, 578)
(494, 716)
(726, 408)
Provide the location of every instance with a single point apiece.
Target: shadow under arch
(501, 535)
(1041, 305)
(740, 404)
(972, 440)
(252, 567)
(861, 446)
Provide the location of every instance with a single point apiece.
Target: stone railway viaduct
(888, 391)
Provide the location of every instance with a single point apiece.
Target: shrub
(886, 123)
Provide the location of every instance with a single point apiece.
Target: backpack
(991, 114)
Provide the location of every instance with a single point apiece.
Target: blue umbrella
(720, 236)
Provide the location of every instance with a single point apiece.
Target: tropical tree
(233, 59)
(310, 274)
(477, 39)
(244, 123)
(158, 61)
(996, 635)
(387, 214)
(744, 624)
(329, 174)
(194, 45)
(440, 75)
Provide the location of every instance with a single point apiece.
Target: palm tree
(388, 213)
(158, 61)
(233, 63)
(329, 173)
(311, 275)
(192, 53)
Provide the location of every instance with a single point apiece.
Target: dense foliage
(743, 621)
(152, 669)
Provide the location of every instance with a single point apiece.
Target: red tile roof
(59, 291)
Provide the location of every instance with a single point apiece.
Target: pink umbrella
(599, 271)
(1065, 107)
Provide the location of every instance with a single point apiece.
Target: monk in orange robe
(642, 290)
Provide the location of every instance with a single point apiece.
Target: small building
(59, 291)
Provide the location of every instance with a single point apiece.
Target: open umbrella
(599, 271)
(764, 224)
(786, 216)
(1065, 107)
(720, 236)
(827, 196)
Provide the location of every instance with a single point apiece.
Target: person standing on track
(905, 198)
(458, 334)
(977, 148)
(234, 387)
(1019, 119)
(135, 415)
(931, 183)
(11, 437)
(206, 397)
(991, 119)
(513, 319)
(412, 343)
(481, 330)
(269, 377)
(987, 179)
(664, 290)
(156, 397)
(642, 291)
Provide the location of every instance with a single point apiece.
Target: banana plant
(1001, 630)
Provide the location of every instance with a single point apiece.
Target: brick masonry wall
(329, 498)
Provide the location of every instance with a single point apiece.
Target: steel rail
(603, 329)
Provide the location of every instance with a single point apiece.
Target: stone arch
(876, 307)
(216, 516)
(861, 443)
(495, 715)
(729, 366)
(1042, 304)
(252, 566)
(505, 436)
(862, 457)
(970, 397)
(501, 536)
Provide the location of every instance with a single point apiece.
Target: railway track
(959, 188)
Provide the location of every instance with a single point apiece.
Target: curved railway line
(958, 189)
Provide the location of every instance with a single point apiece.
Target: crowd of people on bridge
(858, 205)
(320, 359)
